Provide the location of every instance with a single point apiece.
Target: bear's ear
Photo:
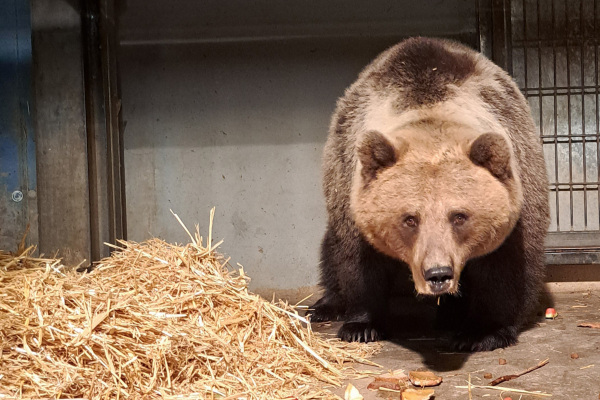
(492, 152)
(376, 152)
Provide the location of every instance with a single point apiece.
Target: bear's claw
(359, 332)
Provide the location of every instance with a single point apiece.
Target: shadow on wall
(224, 94)
(151, 21)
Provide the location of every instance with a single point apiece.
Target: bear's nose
(438, 278)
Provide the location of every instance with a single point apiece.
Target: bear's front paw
(359, 332)
(470, 342)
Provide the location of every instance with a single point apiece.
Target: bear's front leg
(331, 306)
(473, 325)
(489, 320)
(499, 294)
(365, 287)
(356, 282)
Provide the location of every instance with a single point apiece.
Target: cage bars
(564, 101)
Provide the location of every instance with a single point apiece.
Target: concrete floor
(563, 377)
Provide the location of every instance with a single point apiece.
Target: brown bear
(433, 162)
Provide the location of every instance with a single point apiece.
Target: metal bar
(590, 137)
(541, 106)
(560, 90)
(484, 27)
(563, 187)
(574, 239)
(569, 117)
(501, 53)
(508, 35)
(112, 106)
(110, 142)
(540, 69)
(573, 257)
(574, 250)
(556, 199)
(94, 124)
(581, 58)
(574, 184)
(104, 127)
(525, 49)
(574, 40)
(548, 139)
(597, 107)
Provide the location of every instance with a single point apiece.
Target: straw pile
(156, 320)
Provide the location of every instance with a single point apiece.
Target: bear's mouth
(439, 280)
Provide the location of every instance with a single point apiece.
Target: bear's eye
(459, 219)
(411, 221)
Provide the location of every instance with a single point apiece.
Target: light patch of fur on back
(464, 108)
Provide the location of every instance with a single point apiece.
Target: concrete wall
(227, 104)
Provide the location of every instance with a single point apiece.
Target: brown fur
(432, 161)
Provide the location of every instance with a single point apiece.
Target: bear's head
(436, 196)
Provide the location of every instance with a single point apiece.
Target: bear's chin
(426, 289)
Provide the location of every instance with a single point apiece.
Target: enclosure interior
(228, 105)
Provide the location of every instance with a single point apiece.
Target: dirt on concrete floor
(573, 370)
